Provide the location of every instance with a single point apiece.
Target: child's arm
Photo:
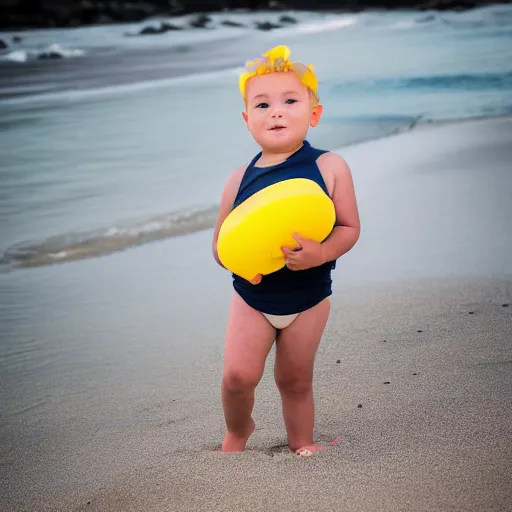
(226, 204)
(344, 236)
(346, 233)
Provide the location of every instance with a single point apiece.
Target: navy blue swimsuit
(285, 292)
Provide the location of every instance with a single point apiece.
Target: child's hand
(310, 254)
(256, 279)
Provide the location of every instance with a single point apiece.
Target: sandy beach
(413, 374)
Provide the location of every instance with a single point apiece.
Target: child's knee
(235, 380)
(296, 385)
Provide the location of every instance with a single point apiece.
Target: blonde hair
(277, 60)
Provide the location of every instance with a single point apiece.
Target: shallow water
(129, 144)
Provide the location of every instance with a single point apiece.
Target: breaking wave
(79, 246)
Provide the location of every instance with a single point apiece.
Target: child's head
(281, 100)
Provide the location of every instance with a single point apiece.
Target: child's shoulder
(327, 159)
(332, 163)
(232, 184)
(333, 168)
(235, 177)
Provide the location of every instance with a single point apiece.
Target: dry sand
(125, 415)
(436, 437)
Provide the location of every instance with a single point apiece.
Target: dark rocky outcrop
(20, 14)
(49, 55)
(266, 25)
(229, 23)
(200, 21)
(287, 19)
(149, 30)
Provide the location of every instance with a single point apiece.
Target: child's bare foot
(307, 451)
(310, 449)
(233, 443)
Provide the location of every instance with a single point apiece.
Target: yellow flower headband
(276, 60)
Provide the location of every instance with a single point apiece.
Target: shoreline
(99, 248)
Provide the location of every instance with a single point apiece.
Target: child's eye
(262, 105)
(290, 101)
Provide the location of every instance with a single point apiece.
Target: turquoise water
(91, 166)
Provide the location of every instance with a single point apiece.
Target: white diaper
(280, 321)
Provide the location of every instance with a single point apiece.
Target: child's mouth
(277, 128)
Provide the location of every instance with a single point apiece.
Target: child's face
(279, 110)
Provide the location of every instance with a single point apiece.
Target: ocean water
(129, 139)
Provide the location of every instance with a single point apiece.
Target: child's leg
(295, 356)
(248, 342)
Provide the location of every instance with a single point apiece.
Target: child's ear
(245, 116)
(316, 115)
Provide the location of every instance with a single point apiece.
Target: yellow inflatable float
(251, 236)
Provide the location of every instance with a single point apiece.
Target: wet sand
(111, 367)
